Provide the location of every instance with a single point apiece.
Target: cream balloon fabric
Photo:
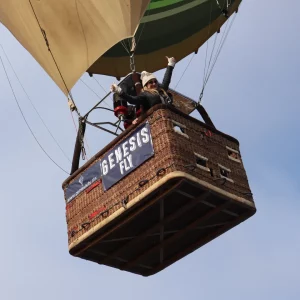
(78, 31)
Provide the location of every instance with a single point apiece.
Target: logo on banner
(127, 156)
(88, 177)
(117, 163)
(81, 180)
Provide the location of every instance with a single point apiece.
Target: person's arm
(140, 99)
(168, 74)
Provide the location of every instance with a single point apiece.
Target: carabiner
(132, 63)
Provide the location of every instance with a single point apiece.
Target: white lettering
(122, 155)
(138, 139)
(132, 143)
(127, 167)
(111, 161)
(122, 167)
(104, 167)
(129, 158)
(118, 153)
(145, 136)
(125, 149)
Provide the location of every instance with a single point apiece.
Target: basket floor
(145, 239)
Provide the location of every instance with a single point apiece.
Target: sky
(252, 94)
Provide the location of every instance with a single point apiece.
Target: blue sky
(253, 95)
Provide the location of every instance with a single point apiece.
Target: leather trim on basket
(175, 174)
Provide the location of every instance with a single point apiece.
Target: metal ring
(190, 167)
(125, 202)
(104, 214)
(143, 182)
(85, 225)
(161, 172)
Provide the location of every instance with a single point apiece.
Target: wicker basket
(189, 191)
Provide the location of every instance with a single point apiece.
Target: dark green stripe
(171, 30)
(161, 3)
(166, 8)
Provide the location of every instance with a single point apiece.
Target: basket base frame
(166, 223)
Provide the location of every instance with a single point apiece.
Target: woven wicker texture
(199, 151)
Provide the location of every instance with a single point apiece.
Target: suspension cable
(208, 33)
(143, 27)
(206, 75)
(130, 49)
(52, 55)
(104, 90)
(224, 36)
(20, 109)
(211, 56)
(127, 48)
(47, 128)
(220, 48)
(94, 93)
(184, 70)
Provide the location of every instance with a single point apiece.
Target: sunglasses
(152, 82)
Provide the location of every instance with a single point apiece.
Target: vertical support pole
(77, 149)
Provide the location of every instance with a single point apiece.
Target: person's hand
(171, 61)
(115, 89)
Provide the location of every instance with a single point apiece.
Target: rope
(105, 91)
(34, 106)
(143, 27)
(211, 55)
(94, 92)
(220, 48)
(15, 97)
(184, 70)
(130, 49)
(209, 72)
(49, 49)
(208, 32)
(204, 74)
(127, 48)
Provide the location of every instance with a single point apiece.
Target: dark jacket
(148, 100)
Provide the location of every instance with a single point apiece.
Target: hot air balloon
(166, 185)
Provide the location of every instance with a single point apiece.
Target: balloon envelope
(95, 35)
(78, 32)
(169, 28)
